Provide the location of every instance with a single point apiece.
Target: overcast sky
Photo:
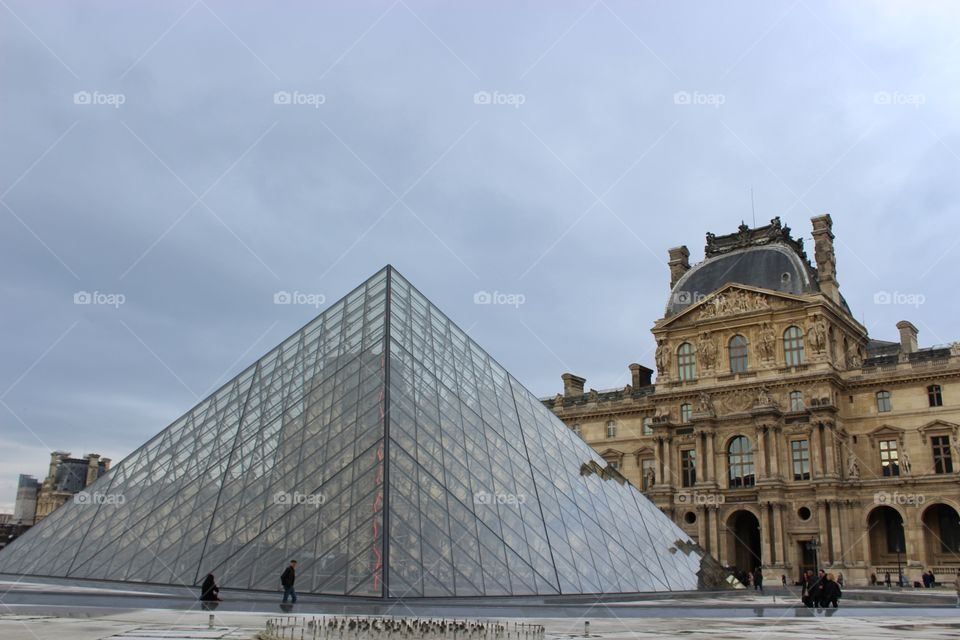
(187, 160)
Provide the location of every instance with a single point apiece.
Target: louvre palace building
(779, 434)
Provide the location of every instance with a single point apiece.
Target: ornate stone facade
(778, 432)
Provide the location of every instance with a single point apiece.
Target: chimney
(908, 337)
(93, 468)
(55, 462)
(640, 375)
(679, 263)
(572, 385)
(825, 257)
(106, 464)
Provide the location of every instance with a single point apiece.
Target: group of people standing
(820, 590)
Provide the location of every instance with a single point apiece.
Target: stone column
(816, 468)
(781, 541)
(831, 458)
(711, 459)
(720, 548)
(761, 456)
(766, 558)
(658, 462)
(823, 534)
(667, 459)
(774, 437)
(701, 459)
(702, 528)
(836, 518)
(913, 535)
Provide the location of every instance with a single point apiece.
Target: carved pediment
(732, 300)
(611, 454)
(938, 427)
(886, 432)
(644, 452)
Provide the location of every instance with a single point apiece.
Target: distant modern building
(25, 507)
(779, 433)
(65, 477)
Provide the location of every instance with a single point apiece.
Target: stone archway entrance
(941, 535)
(743, 541)
(887, 539)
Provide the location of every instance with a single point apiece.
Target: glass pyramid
(384, 450)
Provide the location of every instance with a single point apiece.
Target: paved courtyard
(147, 624)
(61, 610)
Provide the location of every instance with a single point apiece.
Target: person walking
(209, 591)
(830, 592)
(816, 591)
(287, 579)
(758, 580)
(840, 580)
(806, 586)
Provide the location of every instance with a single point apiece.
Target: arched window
(686, 362)
(740, 462)
(685, 411)
(935, 395)
(737, 349)
(793, 346)
(883, 401)
(611, 429)
(796, 401)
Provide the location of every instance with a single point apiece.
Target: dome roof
(773, 266)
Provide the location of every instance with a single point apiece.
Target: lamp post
(813, 545)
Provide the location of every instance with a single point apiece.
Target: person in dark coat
(816, 589)
(758, 580)
(209, 591)
(806, 584)
(287, 579)
(830, 592)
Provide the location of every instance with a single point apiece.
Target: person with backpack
(287, 579)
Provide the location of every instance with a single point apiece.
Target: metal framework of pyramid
(384, 450)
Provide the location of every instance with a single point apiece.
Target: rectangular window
(611, 429)
(942, 459)
(800, 454)
(889, 458)
(688, 467)
(685, 412)
(935, 395)
(883, 401)
(648, 426)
